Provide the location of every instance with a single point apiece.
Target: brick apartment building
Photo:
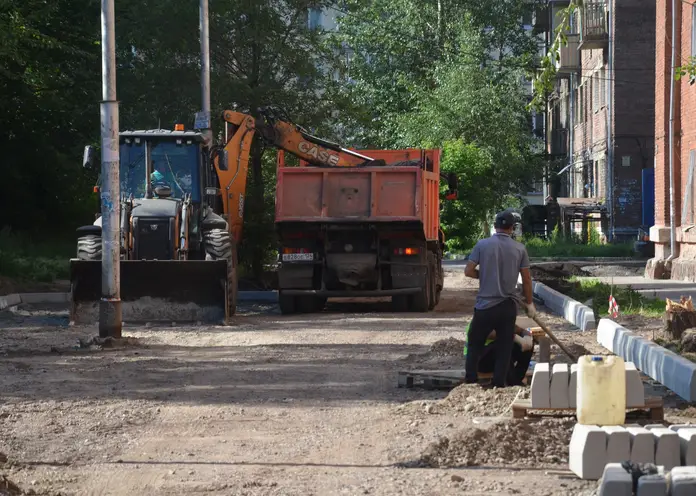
(683, 265)
(601, 116)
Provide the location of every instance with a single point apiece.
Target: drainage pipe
(672, 226)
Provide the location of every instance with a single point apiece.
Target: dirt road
(275, 405)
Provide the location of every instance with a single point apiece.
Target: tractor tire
(219, 245)
(89, 247)
(287, 303)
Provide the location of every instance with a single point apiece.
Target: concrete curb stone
(673, 371)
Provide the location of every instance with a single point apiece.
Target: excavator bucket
(154, 290)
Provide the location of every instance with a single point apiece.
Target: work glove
(531, 310)
(525, 342)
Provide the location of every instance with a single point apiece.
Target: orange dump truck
(365, 231)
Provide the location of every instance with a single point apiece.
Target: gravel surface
(274, 405)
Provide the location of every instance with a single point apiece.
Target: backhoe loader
(181, 217)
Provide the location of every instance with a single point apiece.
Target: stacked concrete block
(652, 485)
(678, 427)
(681, 481)
(667, 448)
(560, 381)
(573, 386)
(642, 445)
(616, 481)
(687, 446)
(618, 444)
(635, 393)
(541, 386)
(588, 451)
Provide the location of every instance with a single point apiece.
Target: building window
(595, 92)
(603, 88)
(314, 18)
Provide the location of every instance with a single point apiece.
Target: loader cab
(175, 168)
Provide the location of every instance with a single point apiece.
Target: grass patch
(538, 247)
(630, 301)
(32, 258)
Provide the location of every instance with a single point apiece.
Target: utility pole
(203, 119)
(110, 305)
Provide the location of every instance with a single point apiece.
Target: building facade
(600, 116)
(673, 233)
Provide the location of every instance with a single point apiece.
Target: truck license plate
(298, 257)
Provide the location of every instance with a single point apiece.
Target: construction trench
(297, 404)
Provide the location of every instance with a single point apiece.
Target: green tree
(444, 74)
(49, 68)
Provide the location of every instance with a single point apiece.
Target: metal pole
(110, 304)
(205, 68)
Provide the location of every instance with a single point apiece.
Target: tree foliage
(422, 74)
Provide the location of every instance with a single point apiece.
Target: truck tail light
(406, 251)
(288, 251)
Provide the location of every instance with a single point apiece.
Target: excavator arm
(232, 161)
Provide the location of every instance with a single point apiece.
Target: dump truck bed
(406, 190)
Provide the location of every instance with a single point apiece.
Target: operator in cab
(500, 260)
(521, 356)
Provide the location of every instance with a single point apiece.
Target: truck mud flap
(154, 291)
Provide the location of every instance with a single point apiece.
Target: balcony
(593, 19)
(559, 143)
(569, 57)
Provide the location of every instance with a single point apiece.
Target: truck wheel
(420, 302)
(286, 303)
(433, 292)
(320, 302)
(306, 304)
(219, 245)
(400, 303)
(89, 247)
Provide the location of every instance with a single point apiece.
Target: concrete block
(681, 481)
(635, 393)
(668, 368)
(687, 446)
(9, 301)
(33, 298)
(654, 426)
(616, 481)
(618, 444)
(652, 485)
(541, 386)
(642, 445)
(573, 311)
(667, 448)
(587, 451)
(573, 386)
(678, 427)
(560, 380)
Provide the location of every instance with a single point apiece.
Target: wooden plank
(521, 408)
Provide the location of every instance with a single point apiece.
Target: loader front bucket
(154, 291)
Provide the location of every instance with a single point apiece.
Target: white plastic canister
(601, 390)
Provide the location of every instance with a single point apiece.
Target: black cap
(504, 219)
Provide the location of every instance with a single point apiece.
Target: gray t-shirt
(500, 259)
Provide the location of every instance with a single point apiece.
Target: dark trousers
(501, 319)
(519, 362)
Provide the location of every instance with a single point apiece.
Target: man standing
(501, 260)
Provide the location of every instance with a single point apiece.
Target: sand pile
(477, 402)
(517, 442)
